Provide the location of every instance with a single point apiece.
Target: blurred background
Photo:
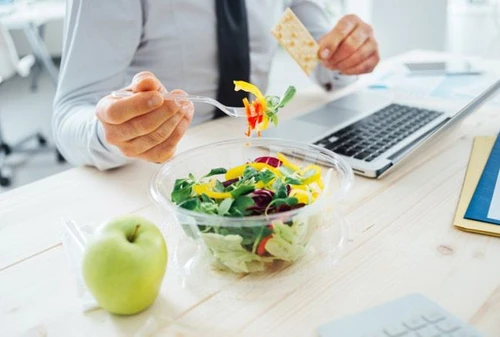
(31, 34)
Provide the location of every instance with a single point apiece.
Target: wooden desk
(402, 241)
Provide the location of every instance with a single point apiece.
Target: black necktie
(233, 51)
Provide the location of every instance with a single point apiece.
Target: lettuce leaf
(228, 250)
(288, 243)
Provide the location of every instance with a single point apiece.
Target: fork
(228, 110)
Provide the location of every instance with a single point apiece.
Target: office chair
(10, 66)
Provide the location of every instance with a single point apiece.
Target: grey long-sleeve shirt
(107, 42)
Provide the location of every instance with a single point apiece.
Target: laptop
(372, 130)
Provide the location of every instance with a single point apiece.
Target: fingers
(351, 44)
(139, 126)
(175, 104)
(353, 51)
(139, 145)
(147, 123)
(166, 150)
(147, 97)
(365, 67)
(146, 81)
(368, 49)
(113, 110)
(329, 43)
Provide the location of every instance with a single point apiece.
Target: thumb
(146, 81)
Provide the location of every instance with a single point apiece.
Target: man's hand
(349, 47)
(145, 125)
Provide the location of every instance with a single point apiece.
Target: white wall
(402, 25)
(474, 29)
(362, 8)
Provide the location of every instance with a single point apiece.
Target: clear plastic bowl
(319, 230)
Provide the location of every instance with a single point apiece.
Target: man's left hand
(350, 47)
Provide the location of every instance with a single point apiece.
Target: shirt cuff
(332, 79)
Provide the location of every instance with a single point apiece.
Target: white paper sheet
(453, 88)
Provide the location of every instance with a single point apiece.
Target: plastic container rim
(329, 156)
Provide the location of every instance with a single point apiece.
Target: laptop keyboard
(413, 315)
(373, 135)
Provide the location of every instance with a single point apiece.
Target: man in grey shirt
(150, 46)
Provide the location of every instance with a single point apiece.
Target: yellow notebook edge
(481, 149)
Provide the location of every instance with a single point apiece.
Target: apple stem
(131, 238)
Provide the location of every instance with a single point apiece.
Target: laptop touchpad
(328, 115)
(350, 107)
(298, 130)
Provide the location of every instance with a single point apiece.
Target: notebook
(481, 150)
(485, 203)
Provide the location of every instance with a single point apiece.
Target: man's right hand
(145, 125)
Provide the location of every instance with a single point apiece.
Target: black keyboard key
(362, 155)
(349, 144)
(350, 152)
(357, 148)
(333, 145)
(371, 158)
(341, 150)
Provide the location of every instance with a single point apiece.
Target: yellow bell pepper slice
(259, 185)
(299, 187)
(264, 124)
(237, 171)
(315, 177)
(248, 87)
(286, 162)
(207, 189)
(302, 196)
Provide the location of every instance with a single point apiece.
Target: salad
(264, 186)
(263, 109)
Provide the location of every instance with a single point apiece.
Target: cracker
(297, 41)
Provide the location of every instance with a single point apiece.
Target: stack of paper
(479, 205)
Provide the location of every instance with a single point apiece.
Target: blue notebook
(485, 203)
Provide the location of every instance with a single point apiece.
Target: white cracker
(297, 40)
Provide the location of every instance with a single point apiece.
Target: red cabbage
(284, 208)
(262, 198)
(229, 182)
(272, 161)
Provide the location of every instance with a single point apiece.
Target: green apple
(123, 266)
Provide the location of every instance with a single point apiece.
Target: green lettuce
(227, 249)
(288, 243)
